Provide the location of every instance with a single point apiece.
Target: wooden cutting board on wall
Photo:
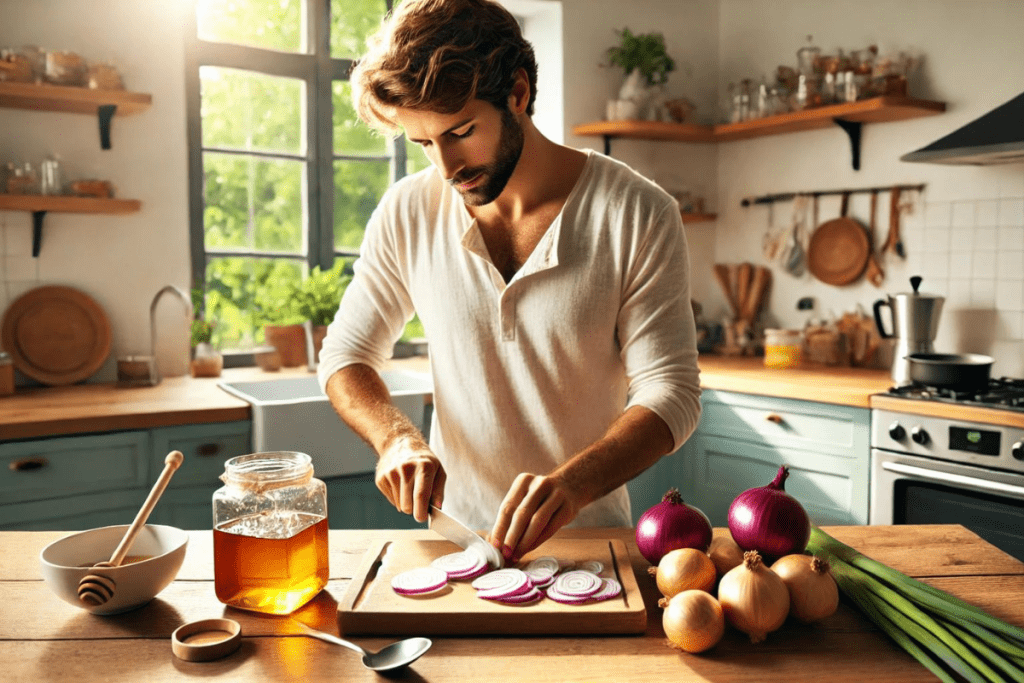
(370, 606)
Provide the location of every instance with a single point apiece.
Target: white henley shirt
(528, 373)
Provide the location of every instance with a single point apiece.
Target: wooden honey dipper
(96, 589)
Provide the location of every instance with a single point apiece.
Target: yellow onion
(754, 598)
(693, 621)
(813, 593)
(725, 554)
(684, 569)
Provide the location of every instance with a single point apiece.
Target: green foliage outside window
(256, 204)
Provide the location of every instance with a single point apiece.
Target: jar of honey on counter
(269, 533)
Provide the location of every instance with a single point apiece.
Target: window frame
(319, 70)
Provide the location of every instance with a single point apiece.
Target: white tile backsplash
(1011, 211)
(979, 246)
(963, 215)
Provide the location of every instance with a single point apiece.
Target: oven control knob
(1018, 450)
(897, 432)
(919, 435)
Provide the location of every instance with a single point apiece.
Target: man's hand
(535, 507)
(411, 477)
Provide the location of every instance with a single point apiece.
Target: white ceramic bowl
(137, 583)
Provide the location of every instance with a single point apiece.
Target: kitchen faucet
(168, 289)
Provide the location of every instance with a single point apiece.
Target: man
(552, 285)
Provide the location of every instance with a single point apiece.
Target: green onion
(923, 619)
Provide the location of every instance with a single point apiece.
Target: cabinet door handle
(207, 450)
(772, 417)
(29, 464)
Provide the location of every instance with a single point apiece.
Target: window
(283, 177)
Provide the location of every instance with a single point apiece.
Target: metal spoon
(394, 656)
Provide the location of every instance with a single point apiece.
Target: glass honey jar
(269, 533)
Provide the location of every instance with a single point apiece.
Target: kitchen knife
(464, 537)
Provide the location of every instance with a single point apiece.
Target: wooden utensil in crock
(96, 589)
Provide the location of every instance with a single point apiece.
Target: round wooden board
(838, 252)
(56, 335)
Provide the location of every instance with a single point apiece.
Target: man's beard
(497, 173)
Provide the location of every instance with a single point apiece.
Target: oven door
(907, 489)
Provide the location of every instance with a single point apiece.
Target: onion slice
(461, 565)
(609, 589)
(530, 595)
(419, 581)
(577, 584)
(592, 566)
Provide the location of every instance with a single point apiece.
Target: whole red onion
(769, 520)
(670, 525)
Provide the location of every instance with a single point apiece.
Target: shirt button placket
(507, 314)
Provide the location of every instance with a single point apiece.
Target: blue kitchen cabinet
(90, 480)
(73, 482)
(355, 502)
(743, 439)
(187, 502)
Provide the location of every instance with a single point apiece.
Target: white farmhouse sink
(292, 414)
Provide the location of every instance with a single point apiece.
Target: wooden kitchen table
(45, 639)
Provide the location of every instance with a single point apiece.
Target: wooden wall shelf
(850, 116)
(104, 104)
(699, 217)
(39, 205)
(73, 100)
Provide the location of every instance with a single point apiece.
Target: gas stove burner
(1005, 392)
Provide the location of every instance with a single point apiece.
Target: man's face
(476, 149)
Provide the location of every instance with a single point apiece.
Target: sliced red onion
(577, 583)
(419, 581)
(541, 566)
(592, 566)
(609, 589)
(530, 595)
(506, 580)
(461, 565)
(543, 583)
(563, 598)
(479, 571)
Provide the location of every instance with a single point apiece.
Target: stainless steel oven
(950, 461)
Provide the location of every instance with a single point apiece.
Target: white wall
(120, 261)
(964, 240)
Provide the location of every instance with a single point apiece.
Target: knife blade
(464, 537)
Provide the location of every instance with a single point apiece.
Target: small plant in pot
(644, 59)
(317, 298)
(275, 310)
(206, 360)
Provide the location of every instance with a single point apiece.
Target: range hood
(995, 138)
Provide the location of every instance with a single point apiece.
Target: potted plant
(317, 298)
(644, 59)
(206, 360)
(274, 308)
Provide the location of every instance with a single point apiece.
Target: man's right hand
(411, 477)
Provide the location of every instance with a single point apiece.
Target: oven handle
(946, 478)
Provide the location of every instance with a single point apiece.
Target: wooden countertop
(49, 640)
(826, 384)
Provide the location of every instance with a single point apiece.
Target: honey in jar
(270, 548)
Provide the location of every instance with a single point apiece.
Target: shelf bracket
(37, 232)
(106, 113)
(852, 129)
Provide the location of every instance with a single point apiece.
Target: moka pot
(915, 321)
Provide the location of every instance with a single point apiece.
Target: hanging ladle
(394, 656)
(97, 589)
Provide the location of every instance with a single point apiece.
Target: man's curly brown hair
(437, 55)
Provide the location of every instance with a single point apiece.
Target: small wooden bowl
(202, 641)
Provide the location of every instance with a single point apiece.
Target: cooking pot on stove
(915, 322)
(956, 371)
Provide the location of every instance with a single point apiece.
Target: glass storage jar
(269, 533)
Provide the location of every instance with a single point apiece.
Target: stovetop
(1004, 393)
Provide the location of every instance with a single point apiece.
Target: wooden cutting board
(370, 606)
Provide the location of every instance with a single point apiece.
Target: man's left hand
(535, 507)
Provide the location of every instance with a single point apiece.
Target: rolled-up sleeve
(374, 309)
(656, 328)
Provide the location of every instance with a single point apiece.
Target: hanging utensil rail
(789, 196)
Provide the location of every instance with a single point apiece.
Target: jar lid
(206, 640)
